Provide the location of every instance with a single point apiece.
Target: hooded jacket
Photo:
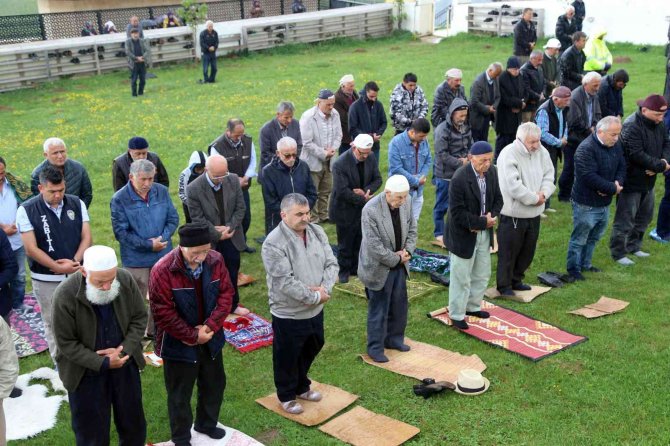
(598, 56)
(610, 99)
(187, 175)
(442, 99)
(522, 174)
(451, 144)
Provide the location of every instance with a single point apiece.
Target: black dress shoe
(343, 278)
(480, 314)
(381, 357)
(400, 348)
(249, 250)
(16, 392)
(506, 292)
(216, 432)
(593, 269)
(461, 325)
(521, 287)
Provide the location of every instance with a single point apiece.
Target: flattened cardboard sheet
(361, 427)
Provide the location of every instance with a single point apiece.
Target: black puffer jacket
(645, 144)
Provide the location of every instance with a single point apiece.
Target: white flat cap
(397, 183)
(100, 258)
(363, 141)
(454, 73)
(346, 78)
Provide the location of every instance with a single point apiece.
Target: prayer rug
(34, 411)
(233, 437)
(334, 400)
(415, 288)
(28, 328)
(248, 333)
(603, 307)
(361, 427)
(427, 361)
(429, 262)
(519, 296)
(515, 332)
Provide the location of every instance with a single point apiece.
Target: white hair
(287, 143)
(142, 166)
(528, 129)
(570, 8)
(590, 77)
(605, 123)
(209, 22)
(53, 141)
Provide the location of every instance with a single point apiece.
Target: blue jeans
(209, 60)
(589, 225)
(18, 283)
(441, 204)
(663, 222)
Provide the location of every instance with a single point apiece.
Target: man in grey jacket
(389, 238)
(301, 271)
(138, 53)
(484, 99)
(526, 177)
(321, 132)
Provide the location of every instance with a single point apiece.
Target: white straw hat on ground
(471, 382)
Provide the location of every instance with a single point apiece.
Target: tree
(192, 13)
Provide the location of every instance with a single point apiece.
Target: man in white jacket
(526, 177)
(321, 133)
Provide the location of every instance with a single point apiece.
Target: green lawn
(609, 390)
(18, 7)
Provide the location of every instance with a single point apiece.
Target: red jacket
(176, 309)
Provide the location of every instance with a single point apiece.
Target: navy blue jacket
(135, 221)
(8, 270)
(363, 119)
(611, 99)
(279, 181)
(597, 167)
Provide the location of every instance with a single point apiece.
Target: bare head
(570, 12)
(295, 212)
(55, 151)
(529, 134)
(494, 70)
(591, 82)
(287, 150)
(285, 111)
(235, 129)
(409, 82)
(216, 167)
(142, 172)
(608, 130)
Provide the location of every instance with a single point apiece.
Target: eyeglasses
(289, 155)
(220, 177)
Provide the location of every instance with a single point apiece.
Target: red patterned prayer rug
(28, 328)
(248, 333)
(515, 332)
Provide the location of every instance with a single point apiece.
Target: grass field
(609, 390)
(18, 7)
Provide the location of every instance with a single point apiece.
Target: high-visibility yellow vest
(597, 54)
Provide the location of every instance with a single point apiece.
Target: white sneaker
(293, 407)
(550, 210)
(310, 395)
(641, 254)
(625, 261)
(543, 215)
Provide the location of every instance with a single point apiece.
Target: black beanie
(194, 234)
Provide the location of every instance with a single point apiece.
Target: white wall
(635, 21)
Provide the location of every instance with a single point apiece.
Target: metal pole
(241, 9)
(43, 31)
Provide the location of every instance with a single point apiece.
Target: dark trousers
(246, 221)
(481, 134)
(387, 313)
(343, 148)
(634, 211)
(231, 257)
(209, 64)
(272, 220)
(139, 72)
(517, 238)
(553, 154)
(663, 222)
(502, 141)
(91, 404)
(568, 174)
(187, 215)
(294, 347)
(348, 245)
(179, 380)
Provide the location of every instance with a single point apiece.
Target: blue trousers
(91, 404)
(387, 313)
(209, 64)
(588, 227)
(441, 204)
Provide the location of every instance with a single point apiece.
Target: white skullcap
(100, 258)
(397, 183)
(552, 43)
(454, 73)
(346, 78)
(363, 141)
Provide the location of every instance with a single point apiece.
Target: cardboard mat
(360, 427)
(603, 307)
(515, 332)
(415, 288)
(427, 361)
(333, 401)
(520, 296)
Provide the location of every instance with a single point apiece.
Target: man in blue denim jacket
(409, 156)
(143, 220)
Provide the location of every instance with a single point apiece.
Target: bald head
(217, 168)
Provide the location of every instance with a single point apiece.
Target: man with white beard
(98, 320)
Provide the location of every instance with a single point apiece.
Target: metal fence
(63, 25)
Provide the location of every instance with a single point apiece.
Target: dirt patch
(622, 59)
(487, 47)
(360, 50)
(59, 90)
(6, 108)
(394, 48)
(573, 368)
(57, 100)
(268, 436)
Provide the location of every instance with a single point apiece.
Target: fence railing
(63, 25)
(25, 64)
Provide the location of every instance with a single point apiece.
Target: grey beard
(461, 128)
(99, 297)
